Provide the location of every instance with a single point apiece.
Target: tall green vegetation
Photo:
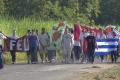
(110, 12)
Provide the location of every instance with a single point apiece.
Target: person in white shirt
(13, 51)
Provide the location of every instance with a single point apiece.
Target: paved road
(46, 71)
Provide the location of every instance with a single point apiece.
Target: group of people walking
(76, 41)
(37, 43)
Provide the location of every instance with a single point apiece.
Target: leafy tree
(2, 7)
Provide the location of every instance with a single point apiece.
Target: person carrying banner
(114, 54)
(13, 39)
(44, 43)
(67, 45)
(101, 35)
(33, 42)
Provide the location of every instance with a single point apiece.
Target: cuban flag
(106, 46)
(117, 32)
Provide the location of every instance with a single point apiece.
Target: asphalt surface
(23, 71)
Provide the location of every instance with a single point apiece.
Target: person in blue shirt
(33, 43)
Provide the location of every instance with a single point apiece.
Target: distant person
(13, 51)
(38, 46)
(44, 43)
(67, 45)
(91, 41)
(77, 41)
(72, 52)
(102, 36)
(114, 54)
(33, 42)
(1, 49)
(27, 44)
(84, 47)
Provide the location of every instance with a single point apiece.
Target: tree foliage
(85, 11)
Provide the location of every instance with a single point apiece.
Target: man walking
(44, 43)
(33, 42)
(13, 50)
(91, 41)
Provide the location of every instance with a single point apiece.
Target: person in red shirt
(84, 47)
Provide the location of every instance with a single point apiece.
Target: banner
(106, 46)
(19, 45)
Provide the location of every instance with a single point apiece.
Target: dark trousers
(51, 55)
(72, 55)
(13, 55)
(33, 53)
(77, 51)
(117, 54)
(102, 57)
(113, 57)
(91, 52)
(1, 61)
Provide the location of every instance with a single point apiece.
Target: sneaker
(33, 62)
(43, 61)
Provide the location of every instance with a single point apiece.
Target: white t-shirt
(109, 35)
(77, 43)
(72, 38)
(101, 36)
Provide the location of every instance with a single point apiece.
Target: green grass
(20, 57)
(21, 26)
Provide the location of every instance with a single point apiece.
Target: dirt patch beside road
(105, 72)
